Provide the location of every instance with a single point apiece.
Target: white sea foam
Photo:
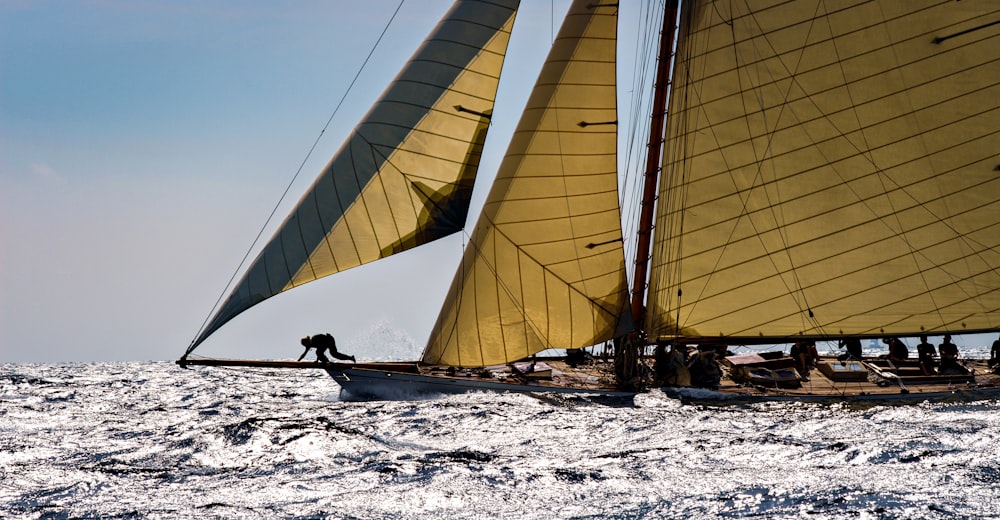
(153, 440)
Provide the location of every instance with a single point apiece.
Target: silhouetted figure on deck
(995, 354)
(323, 343)
(949, 357)
(805, 355)
(853, 349)
(927, 356)
(704, 369)
(897, 349)
(577, 356)
(673, 367)
(661, 364)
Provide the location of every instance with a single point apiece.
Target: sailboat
(816, 171)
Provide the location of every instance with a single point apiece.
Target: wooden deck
(819, 387)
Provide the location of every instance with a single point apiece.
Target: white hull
(365, 383)
(405, 381)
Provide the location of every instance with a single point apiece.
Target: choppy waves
(152, 440)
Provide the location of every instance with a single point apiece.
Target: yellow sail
(830, 168)
(404, 176)
(545, 265)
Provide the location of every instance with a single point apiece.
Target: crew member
(927, 356)
(323, 343)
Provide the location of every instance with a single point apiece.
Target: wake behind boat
(812, 173)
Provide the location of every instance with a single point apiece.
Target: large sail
(831, 168)
(404, 176)
(545, 264)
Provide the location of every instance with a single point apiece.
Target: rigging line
(504, 288)
(881, 178)
(673, 187)
(745, 201)
(560, 136)
(462, 275)
(888, 96)
(791, 153)
(870, 242)
(631, 191)
(880, 171)
(668, 190)
(639, 74)
(860, 311)
(312, 148)
(446, 331)
(555, 107)
(859, 151)
(779, 207)
(567, 200)
(677, 186)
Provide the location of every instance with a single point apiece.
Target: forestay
(404, 176)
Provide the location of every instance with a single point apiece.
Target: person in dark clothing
(704, 369)
(949, 356)
(661, 363)
(927, 356)
(897, 349)
(578, 356)
(995, 354)
(323, 343)
(805, 356)
(853, 348)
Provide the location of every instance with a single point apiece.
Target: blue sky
(143, 144)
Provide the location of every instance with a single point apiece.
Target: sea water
(115, 440)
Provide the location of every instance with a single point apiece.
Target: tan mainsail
(404, 177)
(545, 265)
(831, 168)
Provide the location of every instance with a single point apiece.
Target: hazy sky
(143, 145)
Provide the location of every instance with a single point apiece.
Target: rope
(288, 188)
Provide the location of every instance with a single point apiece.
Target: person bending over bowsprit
(323, 343)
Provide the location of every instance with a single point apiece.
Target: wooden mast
(653, 154)
(628, 349)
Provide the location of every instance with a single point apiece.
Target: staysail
(404, 176)
(545, 265)
(831, 168)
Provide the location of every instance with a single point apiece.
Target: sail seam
(921, 37)
(925, 58)
(888, 145)
(873, 174)
(952, 281)
(953, 136)
(979, 186)
(944, 325)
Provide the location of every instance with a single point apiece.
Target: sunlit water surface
(152, 440)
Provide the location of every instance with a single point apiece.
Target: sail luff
(830, 172)
(653, 154)
(528, 280)
(404, 176)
